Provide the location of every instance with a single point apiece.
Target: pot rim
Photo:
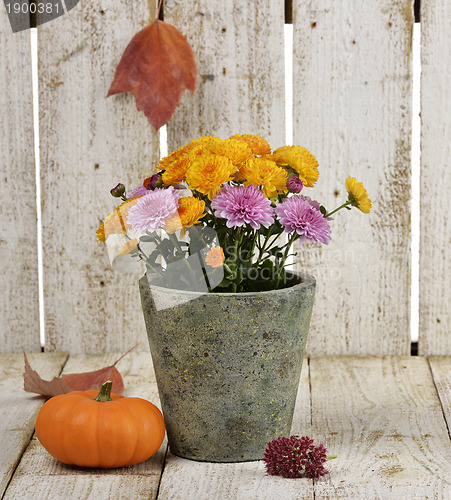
(306, 281)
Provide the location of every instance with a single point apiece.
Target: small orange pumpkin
(80, 429)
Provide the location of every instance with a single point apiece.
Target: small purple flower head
(295, 457)
(137, 191)
(301, 214)
(295, 184)
(243, 205)
(152, 210)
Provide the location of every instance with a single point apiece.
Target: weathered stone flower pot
(227, 366)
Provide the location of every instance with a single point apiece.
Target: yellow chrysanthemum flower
(116, 221)
(101, 232)
(299, 159)
(208, 172)
(236, 150)
(129, 247)
(265, 173)
(215, 257)
(257, 144)
(176, 169)
(190, 211)
(358, 195)
(176, 164)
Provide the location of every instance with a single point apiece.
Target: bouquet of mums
(222, 215)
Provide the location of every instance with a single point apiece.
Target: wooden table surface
(387, 419)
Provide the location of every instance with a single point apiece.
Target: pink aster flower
(152, 210)
(301, 214)
(295, 457)
(137, 191)
(243, 205)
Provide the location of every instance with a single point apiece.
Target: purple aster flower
(295, 184)
(243, 205)
(313, 203)
(152, 210)
(301, 214)
(137, 191)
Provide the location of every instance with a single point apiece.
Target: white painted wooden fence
(352, 82)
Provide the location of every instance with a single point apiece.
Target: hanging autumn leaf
(73, 381)
(157, 66)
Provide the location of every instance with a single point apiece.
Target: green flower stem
(195, 230)
(209, 210)
(238, 238)
(176, 243)
(254, 241)
(349, 202)
(264, 246)
(331, 457)
(288, 245)
(141, 254)
(174, 240)
(227, 269)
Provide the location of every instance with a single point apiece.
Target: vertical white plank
(435, 232)
(352, 110)
(88, 145)
(19, 308)
(240, 59)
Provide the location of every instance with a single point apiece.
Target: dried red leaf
(157, 66)
(73, 381)
(95, 379)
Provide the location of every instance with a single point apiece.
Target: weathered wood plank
(39, 475)
(382, 417)
(89, 144)
(352, 109)
(188, 480)
(441, 372)
(18, 409)
(19, 296)
(435, 229)
(240, 58)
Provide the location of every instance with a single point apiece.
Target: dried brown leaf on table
(157, 66)
(32, 382)
(73, 381)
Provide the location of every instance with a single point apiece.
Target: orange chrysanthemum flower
(236, 150)
(190, 211)
(299, 159)
(215, 257)
(208, 172)
(129, 247)
(258, 145)
(265, 173)
(358, 195)
(116, 221)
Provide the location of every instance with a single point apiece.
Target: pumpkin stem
(105, 391)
